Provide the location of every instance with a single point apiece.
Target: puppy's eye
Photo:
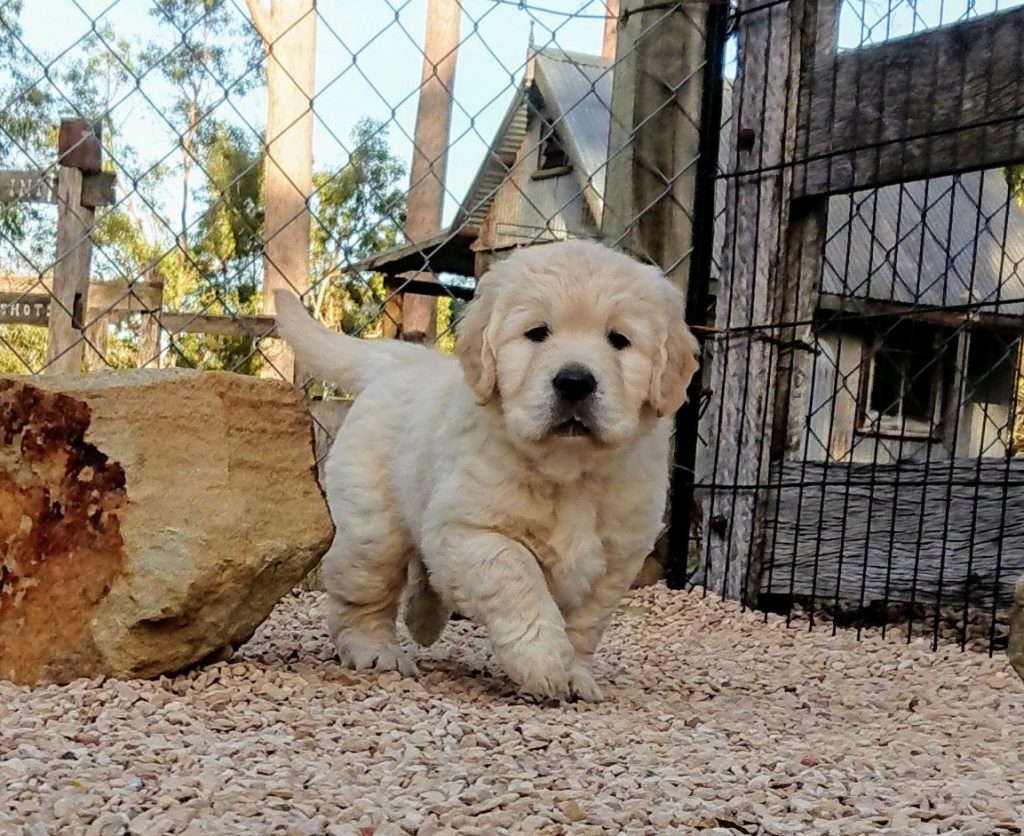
(538, 334)
(618, 341)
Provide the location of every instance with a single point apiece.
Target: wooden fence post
(149, 334)
(428, 173)
(288, 29)
(817, 30)
(97, 333)
(748, 379)
(80, 152)
(654, 143)
(651, 186)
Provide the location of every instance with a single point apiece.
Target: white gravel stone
(714, 721)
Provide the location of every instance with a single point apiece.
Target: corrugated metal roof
(577, 90)
(493, 171)
(941, 242)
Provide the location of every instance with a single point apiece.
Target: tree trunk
(288, 29)
(430, 154)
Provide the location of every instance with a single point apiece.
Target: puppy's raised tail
(348, 362)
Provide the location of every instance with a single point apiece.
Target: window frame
(549, 136)
(870, 422)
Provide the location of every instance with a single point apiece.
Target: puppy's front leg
(586, 623)
(497, 582)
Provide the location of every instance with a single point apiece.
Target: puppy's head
(578, 344)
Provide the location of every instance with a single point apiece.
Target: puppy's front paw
(583, 686)
(538, 668)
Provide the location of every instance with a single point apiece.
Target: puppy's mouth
(573, 428)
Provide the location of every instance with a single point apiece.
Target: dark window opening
(991, 367)
(905, 388)
(551, 154)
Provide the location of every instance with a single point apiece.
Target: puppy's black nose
(574, 383)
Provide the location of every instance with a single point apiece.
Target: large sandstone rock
(1016, 648)
(148, 520)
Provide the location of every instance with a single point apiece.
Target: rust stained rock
(148, 520)
(60, 501)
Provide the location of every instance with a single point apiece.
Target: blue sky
(369, 63)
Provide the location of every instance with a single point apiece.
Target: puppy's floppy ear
(676, 360)
(473, 346)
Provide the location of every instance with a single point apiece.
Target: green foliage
(22, 349)
(358, 210)
(223, 267)
(211, 259)
(215, 52)
(449, 312)
(1015, 180)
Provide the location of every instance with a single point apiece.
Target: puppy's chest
(570, 549)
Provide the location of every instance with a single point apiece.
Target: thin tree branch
(261, 19)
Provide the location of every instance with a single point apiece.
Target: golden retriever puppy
(524, 491)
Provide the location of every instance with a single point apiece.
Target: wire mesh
(859, 408)
(179, 89)
(859, 458)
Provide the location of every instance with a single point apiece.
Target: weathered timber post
(659, 105)
(770, 272)
(417, 313)
(288, 30)
(80, 153)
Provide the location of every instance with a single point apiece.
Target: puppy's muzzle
(574, 387)
(574, 383)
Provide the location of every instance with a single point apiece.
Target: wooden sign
(41, 187)
(24, 301)
(28, 187)
(24, 308)
(79, 145)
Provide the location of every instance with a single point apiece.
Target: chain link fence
(409, 146)
(860, 455)
(833, 183)
(375, 163)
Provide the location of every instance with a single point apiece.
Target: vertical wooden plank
(64, 349)
(149, 335)
(744, 374)
(655, 134)
(650, 194)
(288, 29)
(957, 435)
(430, 154)
(611, 29)
(149, 342)
(805, 239)
(79, 146)
(816, 33)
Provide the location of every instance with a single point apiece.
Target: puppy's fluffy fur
(522, 501)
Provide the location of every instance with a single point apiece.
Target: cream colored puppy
(529, 487)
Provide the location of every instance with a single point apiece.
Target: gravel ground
(714, 722)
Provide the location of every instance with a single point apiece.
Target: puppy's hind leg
(364, 573)
(426, 615)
